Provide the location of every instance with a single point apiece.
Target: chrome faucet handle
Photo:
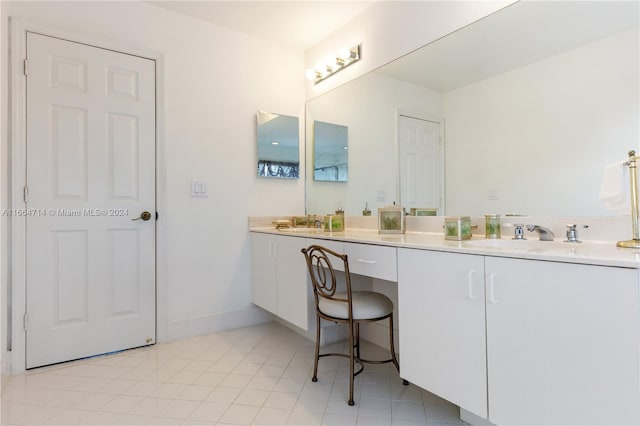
(545, 233)
(518, 231)
(572, 233)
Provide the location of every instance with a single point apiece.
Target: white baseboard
(378, 334)
(213, 323)
(330, 333)
(472, 419)
(4, 371)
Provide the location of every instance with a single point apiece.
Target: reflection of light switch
(380, 196)
(493, 194)
(198, 188)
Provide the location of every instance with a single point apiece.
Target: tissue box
(457, 228)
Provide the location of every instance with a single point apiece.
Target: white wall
(390, 29)
(520, 123)
(215, 80)
(368, 106)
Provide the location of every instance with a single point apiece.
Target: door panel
(70, 277)
(122, 137)
(69, 140)
(421, 175)
(90, 171)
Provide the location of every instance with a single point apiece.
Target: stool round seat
(365, 304)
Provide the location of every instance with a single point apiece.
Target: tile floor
(258, 375)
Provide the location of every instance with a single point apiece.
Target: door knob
(143, 216)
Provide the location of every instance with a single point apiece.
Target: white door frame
(16, 244)
(440, 121)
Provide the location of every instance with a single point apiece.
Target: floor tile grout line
(191, 360)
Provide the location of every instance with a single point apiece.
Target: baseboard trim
(213, 323)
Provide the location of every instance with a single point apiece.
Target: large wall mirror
(278, 145)
(533, 102)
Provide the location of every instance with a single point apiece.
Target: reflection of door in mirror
(278, 146)
(421, 159)
(330, 152)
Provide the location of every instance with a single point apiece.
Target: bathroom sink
(513, 244)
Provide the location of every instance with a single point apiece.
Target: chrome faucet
(572, 233)
(545, 233)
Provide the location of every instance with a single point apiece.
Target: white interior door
(90, 171)
(421, 174)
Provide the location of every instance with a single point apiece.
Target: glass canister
(334, 222)
(492, 226)
(457, 228)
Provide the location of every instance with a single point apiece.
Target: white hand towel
(614, 190)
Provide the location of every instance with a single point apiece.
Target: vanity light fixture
(330, 66)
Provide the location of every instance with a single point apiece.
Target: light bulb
(344, 54)
(321, 68)
(331, 63)
(311, 74)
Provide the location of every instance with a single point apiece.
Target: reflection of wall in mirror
(541, 135)
(368, 106)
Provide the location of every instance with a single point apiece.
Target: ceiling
(300, 24)
(515, 36)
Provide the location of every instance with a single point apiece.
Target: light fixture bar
(343, 59)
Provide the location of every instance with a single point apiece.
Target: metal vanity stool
(350, 308)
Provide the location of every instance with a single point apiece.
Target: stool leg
(392, 346)
(358, 340)
(315, 361)
(351, 363)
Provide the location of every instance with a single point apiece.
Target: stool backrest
(323, 275)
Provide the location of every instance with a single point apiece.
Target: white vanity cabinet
(562, 343)
(442, 325)
(279, 277)
(522, 341)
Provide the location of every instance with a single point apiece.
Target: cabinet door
(263, 272)
(293, 289)
(442, 325)
(562, 343)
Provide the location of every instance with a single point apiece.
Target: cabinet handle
(492, 295)
(470, 275)
(370, 262)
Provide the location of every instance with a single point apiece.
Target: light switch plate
(199, 188)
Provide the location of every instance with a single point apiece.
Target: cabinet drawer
(372, 261)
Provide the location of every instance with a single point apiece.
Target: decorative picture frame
(391, 220)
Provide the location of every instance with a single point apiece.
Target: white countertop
(591, 253)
